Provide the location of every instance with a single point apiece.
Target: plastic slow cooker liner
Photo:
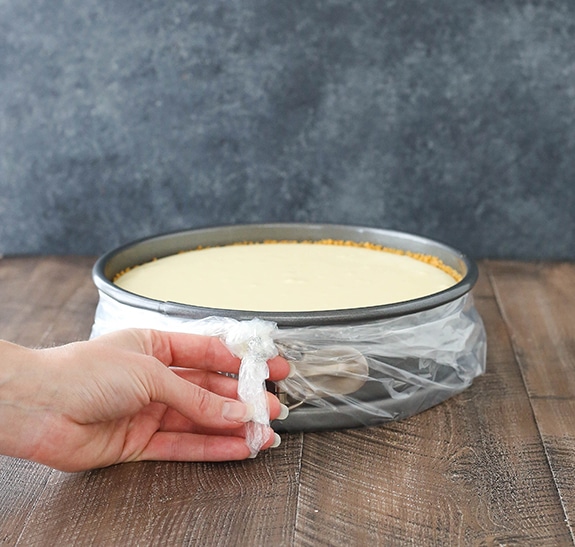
(354, 367)
(347, 375)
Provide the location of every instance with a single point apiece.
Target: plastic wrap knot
(252, 341)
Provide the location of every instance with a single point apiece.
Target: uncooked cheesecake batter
(287, 276)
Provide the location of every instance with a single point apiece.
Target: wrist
(20, 382)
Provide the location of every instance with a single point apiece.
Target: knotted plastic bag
(252, 341)
(345, 374)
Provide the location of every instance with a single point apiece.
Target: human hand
(127, 396)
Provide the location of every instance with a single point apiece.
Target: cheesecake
(289, 276)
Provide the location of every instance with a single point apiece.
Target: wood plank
(157, 503)
(39, 305)
(470, 471)
(556, 421)
(46, 300)
(21, 484)
(538, 303)
(473, 470)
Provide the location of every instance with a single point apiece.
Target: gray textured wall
(452, 119)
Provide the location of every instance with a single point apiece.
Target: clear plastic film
(386, 369)
(345, 374)
(252, 342)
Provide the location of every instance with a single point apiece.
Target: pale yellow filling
(286, 277)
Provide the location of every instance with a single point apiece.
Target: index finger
(193, 351)
(205, 352)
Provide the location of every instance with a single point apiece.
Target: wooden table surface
(494, 465)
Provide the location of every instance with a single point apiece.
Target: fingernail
(277, 441)
(284, 412)
(292, 370)
(234, 411)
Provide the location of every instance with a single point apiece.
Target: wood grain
(470, 471)
(491, 466)
(159, 503)
(537, 301)
(21, 483)
(46, 300)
